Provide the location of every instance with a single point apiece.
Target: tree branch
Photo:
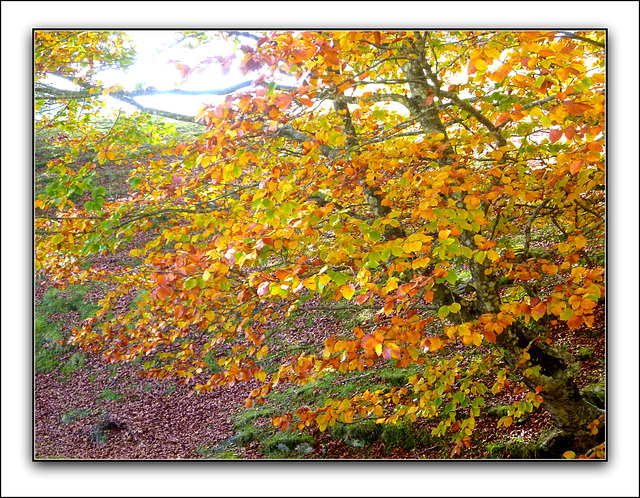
(569, 34)
(528, 227)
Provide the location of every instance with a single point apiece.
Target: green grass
(512, 448)
(73, 415)
(75, 362)
(73, 298)
(109, 394)
(49, 352)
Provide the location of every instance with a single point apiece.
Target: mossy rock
(513, 448)
(595, 394)
(554, 442)
(585, 353)
(358, 435)
(396, 378)
(288, 444)
(497, 410)
(398, 436)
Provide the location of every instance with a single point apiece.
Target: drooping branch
(128, 97)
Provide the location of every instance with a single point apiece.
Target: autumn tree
(414, 174)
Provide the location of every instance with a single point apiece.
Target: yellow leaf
(506, 421)
(378, 349)
(480, 64)
(569, 455)
(348, 291)
(324, 279)
(580, 241)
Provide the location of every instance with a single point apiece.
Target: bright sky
(154, 69)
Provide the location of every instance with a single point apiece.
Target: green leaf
(568, 313)
(479, 256)
(337, 277)
(135, 181)
(271, 87)
(371, 264)
(375, 235)
(443, 312)
(467, 252)
(378, 114)
(190, 283)
(98, 203)
(539, 81)
(57, 239)
(451, 277)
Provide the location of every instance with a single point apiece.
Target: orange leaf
(538, 311)
(575, 167)
(434, 344)
(575, 108)
(489, 336)
(362, 298)
(554, 135)
(575, 321)
(503, 118)
(345, 86)
(163, 292)
(569, 132)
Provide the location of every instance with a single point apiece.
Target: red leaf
(569, 132)
(429, 100)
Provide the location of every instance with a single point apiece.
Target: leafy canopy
(411, 174)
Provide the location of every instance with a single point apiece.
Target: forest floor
(86, 409)
(153, 419)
